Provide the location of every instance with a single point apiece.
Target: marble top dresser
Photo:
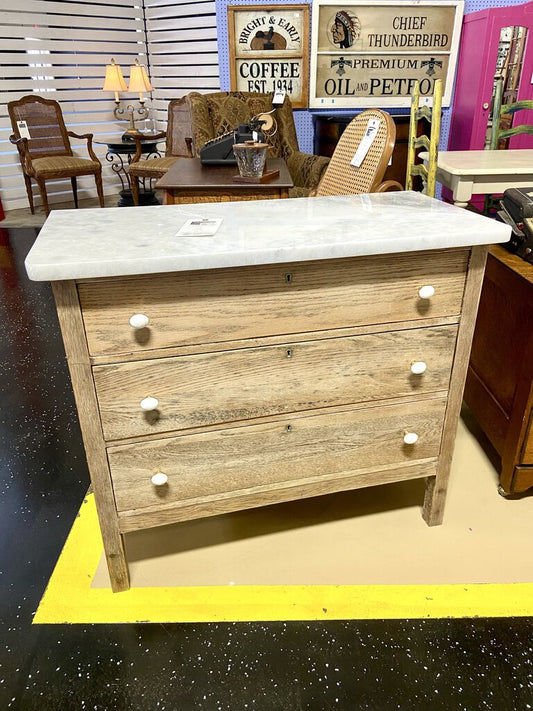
(309, 346)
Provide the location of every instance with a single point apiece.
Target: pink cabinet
(487, 53)
(477, 67)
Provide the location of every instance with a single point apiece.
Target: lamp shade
(139, 81)
(114, 81)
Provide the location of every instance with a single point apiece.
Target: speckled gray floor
(22, 217)
(453, 665)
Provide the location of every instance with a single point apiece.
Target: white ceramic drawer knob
(149, 403)
(418, 367)
(139, 321)
(426, 292)
(159, 479)
(410, 438)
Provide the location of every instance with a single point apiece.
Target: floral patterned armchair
(217, 113)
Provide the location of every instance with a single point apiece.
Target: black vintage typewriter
(517, 211)
(219, 151)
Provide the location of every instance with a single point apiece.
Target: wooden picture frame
(370, 53)
(269, 50)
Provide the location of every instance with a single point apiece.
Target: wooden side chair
(178, 137)
(503, 116)
(343, 178)
(431, 114)
(43, 144)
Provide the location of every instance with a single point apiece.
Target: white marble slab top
(517, 162)
(78, 244)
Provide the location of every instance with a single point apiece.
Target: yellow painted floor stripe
(70, 599)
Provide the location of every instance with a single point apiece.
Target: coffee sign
(371, 54)
(269, 49)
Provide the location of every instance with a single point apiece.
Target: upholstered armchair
(217, 113)
(44, 147)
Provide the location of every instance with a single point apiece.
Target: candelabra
(139, 82)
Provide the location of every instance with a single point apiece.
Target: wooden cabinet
(499, 387)
(241, 387)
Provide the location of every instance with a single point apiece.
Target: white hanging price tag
(366, 142)
(24, 131)
(279, 97)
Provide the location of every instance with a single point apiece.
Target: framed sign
(371, 53)
(269, 49)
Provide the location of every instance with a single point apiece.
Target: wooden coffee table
(190, 181)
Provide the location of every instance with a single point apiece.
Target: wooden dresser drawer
(264, 456)
(222, 305)
(227, 386)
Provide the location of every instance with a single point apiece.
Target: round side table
(119, 154)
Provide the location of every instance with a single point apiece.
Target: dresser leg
(79, 363)
(436, 486)
(113, 540)
(117, 565)
(434, 500)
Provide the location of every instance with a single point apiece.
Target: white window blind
(182, 48)
(60, 50)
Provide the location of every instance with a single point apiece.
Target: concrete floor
(23, 217)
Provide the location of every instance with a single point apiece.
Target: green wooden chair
(430, 143)
(503, 116)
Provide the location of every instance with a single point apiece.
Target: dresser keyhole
(288, 278)
(289, 352)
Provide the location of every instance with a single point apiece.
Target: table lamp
(114, 81)
(139, 82)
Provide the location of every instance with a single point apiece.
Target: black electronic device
(517, 211)
(219, 151)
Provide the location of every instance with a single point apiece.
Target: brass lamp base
(130, 133)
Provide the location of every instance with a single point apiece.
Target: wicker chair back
(179, 131)
(45, 124)
(343, 178)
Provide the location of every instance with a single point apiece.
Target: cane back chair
(45, 153)
(341, 177)
(178, 144)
